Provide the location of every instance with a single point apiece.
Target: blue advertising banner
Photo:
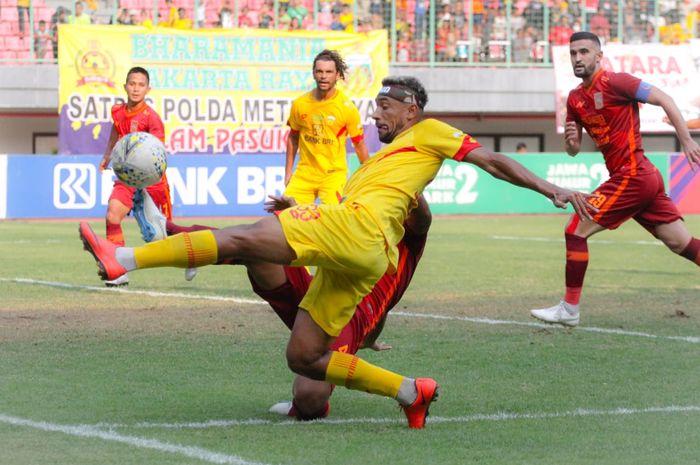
(70, 186)
(201, 185)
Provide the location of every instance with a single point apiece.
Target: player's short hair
(585, 35)
(411, 86)
(331, 55)
(140, 70)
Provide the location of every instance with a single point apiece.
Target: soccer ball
(139, 159)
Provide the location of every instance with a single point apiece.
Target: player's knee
(310, 402)
(113, 217)
(677, 245)
(236, 241)
(297, 361)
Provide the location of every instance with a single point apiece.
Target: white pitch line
(590, 241)
(122, 290)
(591, 329)
(499, 416)
(86, 431)
(479, 320)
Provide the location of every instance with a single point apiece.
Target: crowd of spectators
(519, 31)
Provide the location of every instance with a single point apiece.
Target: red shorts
(159, 192)
(285, 302)
(640, 197)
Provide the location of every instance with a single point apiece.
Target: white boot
(562, 313)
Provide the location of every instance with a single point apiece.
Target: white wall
(16, 131)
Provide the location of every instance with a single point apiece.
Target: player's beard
(584, 72)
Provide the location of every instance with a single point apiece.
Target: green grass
(114, 361)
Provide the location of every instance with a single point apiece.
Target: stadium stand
(469, 32)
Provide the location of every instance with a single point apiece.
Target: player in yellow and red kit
(284, 287)
(353, 244)
(133, 116)
(320, 120)
(606, 104)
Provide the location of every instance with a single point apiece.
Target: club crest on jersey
(598, 100)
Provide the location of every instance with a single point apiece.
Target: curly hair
(331, 55)
(411, 83)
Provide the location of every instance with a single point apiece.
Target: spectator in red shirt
(600, 26)
(561, 32)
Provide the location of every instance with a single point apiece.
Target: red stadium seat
(9, 14)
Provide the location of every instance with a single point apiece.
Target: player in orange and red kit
(133, 116)
(606, 104)
(283, 287)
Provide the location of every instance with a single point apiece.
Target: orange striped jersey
(143, 118)
(323, 127)
(388, 290)
(609, 111)
(387, 184)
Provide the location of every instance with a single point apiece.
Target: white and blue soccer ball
(139, 159)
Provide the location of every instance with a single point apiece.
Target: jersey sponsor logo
(598, 100)
(305, 212)
(74, 186)
(134, 126)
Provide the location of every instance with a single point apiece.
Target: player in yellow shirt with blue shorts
(320, 121)
(352, 243)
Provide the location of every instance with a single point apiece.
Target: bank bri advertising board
(218, 91)
(50, 186)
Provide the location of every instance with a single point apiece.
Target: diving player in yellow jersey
(353, 244)
(320, 121)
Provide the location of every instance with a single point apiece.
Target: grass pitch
(166, 374)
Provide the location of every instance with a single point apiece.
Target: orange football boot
(104, 252)
(417, 412)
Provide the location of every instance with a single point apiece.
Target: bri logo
(74, 186)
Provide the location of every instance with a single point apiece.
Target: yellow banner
(217, 91)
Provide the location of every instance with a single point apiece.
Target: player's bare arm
(361, 150)
(572, 138)
(113, 136)
(690, 147)
(292, 148)
(420, 218)
(507, 169)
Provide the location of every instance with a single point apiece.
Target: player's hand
(692, 153)
(278, 203)
(666, 120)
(578, 200)
(377, 346)
(571, 133)
(103, 164)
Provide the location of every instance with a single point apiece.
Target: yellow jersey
(387, 184)
(323, 127)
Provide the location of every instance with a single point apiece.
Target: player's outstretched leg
(308, 355)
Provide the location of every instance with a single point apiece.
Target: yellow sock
(354, 373)
(186, 250)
